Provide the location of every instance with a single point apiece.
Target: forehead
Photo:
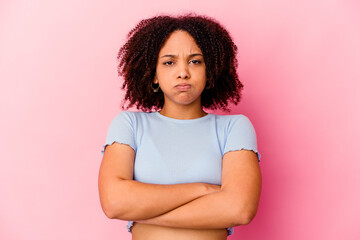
(180, 41)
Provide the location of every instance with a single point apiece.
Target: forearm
(138, 200)
(210, 211)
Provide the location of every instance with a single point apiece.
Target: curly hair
(138, 59)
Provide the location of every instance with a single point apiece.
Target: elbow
(112, 205)
(112, 209)
(109, 214)
(245, 220)
(112, 214)
(244, 217)
(109, 211)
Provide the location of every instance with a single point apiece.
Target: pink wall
(299, 62)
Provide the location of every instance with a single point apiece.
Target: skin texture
(181, 61)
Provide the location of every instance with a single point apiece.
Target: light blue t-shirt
(173, 151)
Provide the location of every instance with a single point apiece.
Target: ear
(156, 81)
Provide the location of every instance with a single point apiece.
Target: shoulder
(235, 124)
(232, 119)
(128, 115)
(124, 118)
(240, 119)
(240, 134)
(230, 116)
(124, 114)
(132, 117)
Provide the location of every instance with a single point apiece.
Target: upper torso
(173, 151)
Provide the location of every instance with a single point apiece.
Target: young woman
(180, 173)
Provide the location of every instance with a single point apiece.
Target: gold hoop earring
(155, 89)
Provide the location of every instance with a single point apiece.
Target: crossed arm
(191, 205)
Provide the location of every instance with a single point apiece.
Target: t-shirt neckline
(182, 120)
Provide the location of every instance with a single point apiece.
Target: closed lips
(183, 87)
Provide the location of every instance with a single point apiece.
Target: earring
(155, 89)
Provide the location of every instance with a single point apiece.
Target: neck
(183, 112)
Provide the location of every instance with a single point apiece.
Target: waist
(142, 231)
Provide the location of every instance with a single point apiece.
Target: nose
(183, 72)
(183, 75)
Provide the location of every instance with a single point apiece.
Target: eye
(168, 63)
(195, 61)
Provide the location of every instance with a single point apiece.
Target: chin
(184, 99)
(186, 102)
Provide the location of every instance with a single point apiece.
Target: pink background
(299, 62)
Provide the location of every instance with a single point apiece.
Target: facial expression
(181, 62)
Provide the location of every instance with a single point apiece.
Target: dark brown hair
(138, 60)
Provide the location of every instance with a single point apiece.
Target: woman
(180, 173)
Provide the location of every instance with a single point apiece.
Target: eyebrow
(174, 56)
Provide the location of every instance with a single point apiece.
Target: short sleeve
(241, 135)
(121, 130)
